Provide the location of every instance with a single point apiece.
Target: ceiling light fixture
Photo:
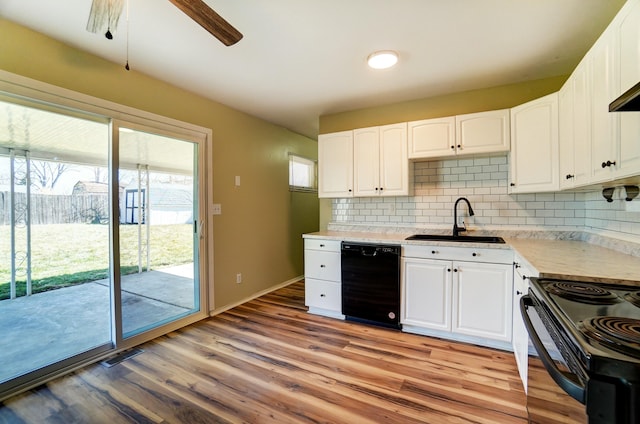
(382, 59)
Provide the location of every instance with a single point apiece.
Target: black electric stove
(596, 328)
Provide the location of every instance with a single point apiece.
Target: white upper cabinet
(581, 124)
(381, 165)
(470, 134)
(629, 39)
(534, 146)
(395, 178)
(432, 137)
(603, 58)
(483, 132)
(335, 164)
(364, 162)
(366, 165)
(565, 139)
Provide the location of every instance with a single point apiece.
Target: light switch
(216, 209)
(237, 180)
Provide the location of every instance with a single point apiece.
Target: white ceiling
(300, 59)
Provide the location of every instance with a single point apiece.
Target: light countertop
(551, 258)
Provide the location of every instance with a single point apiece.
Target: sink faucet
(456, 229)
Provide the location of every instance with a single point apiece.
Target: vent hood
(627, 102)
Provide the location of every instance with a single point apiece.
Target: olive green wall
(493, 98)
(259, 231)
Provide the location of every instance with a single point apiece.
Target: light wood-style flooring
(269, 361)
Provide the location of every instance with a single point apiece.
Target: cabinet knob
(322, 266)
(512, 184)
(524, 277)
(518, 292)
(448, 269)
(349, 190)
(453, 147)
(569, 176)
(455, 269)
(376, 188)
(608, 163)
(322, 295)
(433, 252)
(381, 188)
(474, 254)
(322, 245)
(516, 264)
(459, 146)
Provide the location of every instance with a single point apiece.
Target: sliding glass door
(158, 192)
(99, 236)
(54, 272)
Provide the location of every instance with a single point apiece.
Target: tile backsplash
(438, 183)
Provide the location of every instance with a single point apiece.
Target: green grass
(69, 254)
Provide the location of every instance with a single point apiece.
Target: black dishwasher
(371, 283)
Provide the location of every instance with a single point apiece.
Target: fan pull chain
(126, 66)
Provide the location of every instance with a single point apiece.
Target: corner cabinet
(380, 161)
(458, 293)
(323, 275)
(335, 164)
(534, 146)
(470, 134)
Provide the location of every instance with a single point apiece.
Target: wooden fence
(56, 209)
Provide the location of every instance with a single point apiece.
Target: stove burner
(617, 333)
(633, 298)
(585, 293)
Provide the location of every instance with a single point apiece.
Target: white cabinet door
(427, 293)
(381, 164)
(604, 125)
(322, 265)
(520, 338)
(432, 138)
(565, 139)
(366, 162)
(335, 164)
(483, 132)
(394, 161)
(581, 124)
(482, 300)
(534, 146)
(323, 295)
(629, 33)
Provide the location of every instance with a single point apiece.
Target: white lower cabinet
(322, 273)
(460, 300)
(482, 300)
(520, 337)
(427, 294)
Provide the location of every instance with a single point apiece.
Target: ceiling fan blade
(209, 20)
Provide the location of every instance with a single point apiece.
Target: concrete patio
(47, 327)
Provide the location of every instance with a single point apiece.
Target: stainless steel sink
(467, 239)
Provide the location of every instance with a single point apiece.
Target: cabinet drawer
(323, 294)
(319, 244)
(498, 256)
(322, 265)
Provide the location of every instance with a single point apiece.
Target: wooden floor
(268, 361)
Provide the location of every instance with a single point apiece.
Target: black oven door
(554, 393)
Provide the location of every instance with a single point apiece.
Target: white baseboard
(254, 296)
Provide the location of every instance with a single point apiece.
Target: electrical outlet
(238, 278)
(216, 209)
